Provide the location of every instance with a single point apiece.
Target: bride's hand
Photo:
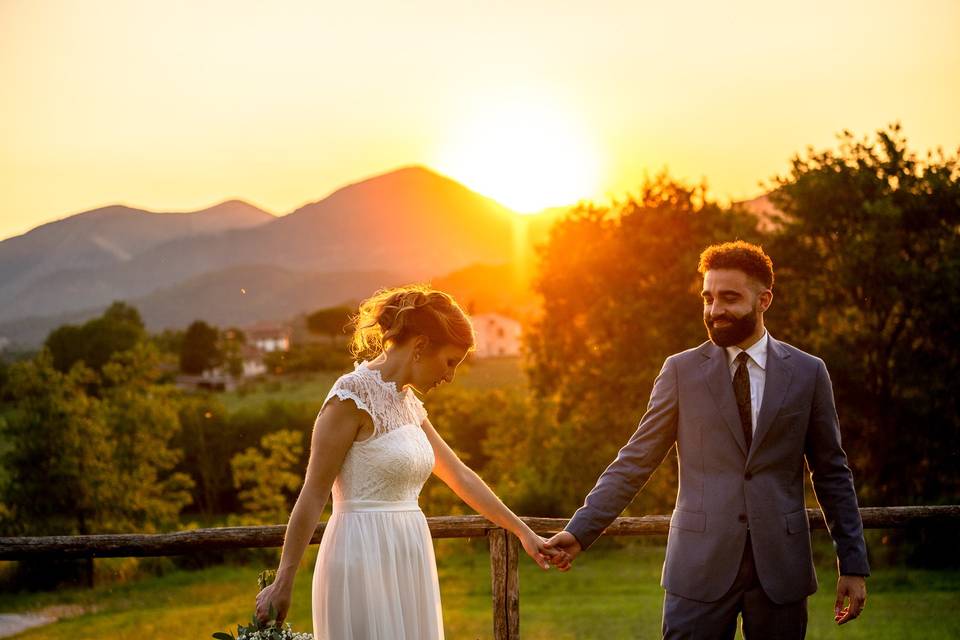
(278, 597)
(534, 546)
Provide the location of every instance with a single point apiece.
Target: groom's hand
(568, 546)
(854, 588)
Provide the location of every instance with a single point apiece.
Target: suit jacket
(724, 488)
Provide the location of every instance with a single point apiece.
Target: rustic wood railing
(504, 548)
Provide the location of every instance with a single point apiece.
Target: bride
(373, 445)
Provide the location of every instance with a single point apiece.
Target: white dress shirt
(756, 368)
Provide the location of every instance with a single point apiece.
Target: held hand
(567, 547)
(276, 596)
(854, 588)
(536, 548)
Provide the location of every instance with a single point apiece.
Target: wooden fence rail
(504, 548)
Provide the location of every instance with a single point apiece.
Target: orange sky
(174, 105)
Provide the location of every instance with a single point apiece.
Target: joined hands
(565, 548)
(536, 548)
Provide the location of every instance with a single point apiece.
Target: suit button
(747, 475)
(742, 517)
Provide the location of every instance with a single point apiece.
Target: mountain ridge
(411, 222)
(107, 236)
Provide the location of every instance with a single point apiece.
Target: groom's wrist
(577, 538)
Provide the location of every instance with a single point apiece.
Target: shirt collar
(757, 351)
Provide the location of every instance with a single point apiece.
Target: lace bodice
(394, 462)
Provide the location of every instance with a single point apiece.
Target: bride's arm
(333, 433)
(474, 491)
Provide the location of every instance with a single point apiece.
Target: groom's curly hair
(740, 255)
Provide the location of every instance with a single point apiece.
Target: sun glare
(525, 157)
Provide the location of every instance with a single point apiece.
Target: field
(312, 388)
(612, 593)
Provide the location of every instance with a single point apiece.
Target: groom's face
(733, 305)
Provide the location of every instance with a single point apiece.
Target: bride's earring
(416, 356)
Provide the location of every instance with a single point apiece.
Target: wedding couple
(744, 410)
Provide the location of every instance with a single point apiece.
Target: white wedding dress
(376, 575)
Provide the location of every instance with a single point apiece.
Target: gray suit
(724, 489)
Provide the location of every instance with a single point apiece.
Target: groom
(744, 411)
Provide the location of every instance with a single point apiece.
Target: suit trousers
(685, 619)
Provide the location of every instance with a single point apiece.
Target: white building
(252, 359)
(497, 335)
(268, 337)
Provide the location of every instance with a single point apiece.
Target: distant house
(268, 337)
(253, 364)
(497, 335)
(260, 339)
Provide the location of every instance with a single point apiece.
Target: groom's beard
(738, 329)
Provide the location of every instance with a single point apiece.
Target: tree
(620, 293)
(67, 345)
(206, 441)
(57, 449)
(230, 346)
(867, 256)
(142, 418)
(200, 349)
(118, 329)
(330, 322)
(469, 420)
(211, 436)
(169, 341)
(83, 464)
(85, 453)
(268, 477)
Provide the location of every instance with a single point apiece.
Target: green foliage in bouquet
(269, 630)
(266, 578)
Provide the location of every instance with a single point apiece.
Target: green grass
(296, 388)
(312, 388)
(491, 373)
(611, 593)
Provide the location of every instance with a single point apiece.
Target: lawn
(309, 388)
(312, 388)
(613, 592)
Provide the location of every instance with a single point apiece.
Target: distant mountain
(481, 288)
(248, 294)
(412, 223)
(106, 238)
(234, 297)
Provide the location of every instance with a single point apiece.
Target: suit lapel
(778, 376)
(717, 373)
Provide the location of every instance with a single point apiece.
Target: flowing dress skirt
(376, 575)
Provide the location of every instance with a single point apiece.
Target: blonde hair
(397, 314)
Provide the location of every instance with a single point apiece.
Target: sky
(175, 106)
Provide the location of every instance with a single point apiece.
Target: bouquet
(269, 630)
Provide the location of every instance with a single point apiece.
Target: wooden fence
(504, 548)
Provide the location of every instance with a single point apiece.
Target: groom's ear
(765, 299)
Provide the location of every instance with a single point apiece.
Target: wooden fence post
(513, 586)
(505, 583)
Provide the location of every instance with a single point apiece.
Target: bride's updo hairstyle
(395, 315)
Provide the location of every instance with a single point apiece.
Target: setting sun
(525, 156)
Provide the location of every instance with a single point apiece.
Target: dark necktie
(741, 389)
